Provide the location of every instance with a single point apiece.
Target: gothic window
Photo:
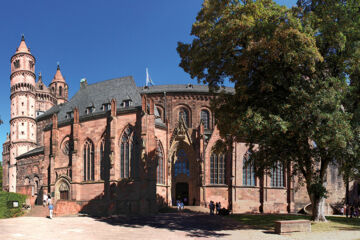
(66, 147)
(60, 91)
(102, 160)
(160, 176)
(125, 153)
(181, 163)
(89, 160)
(184, 114)
(17, 64)
(248, 171)
(205, 117)
(217, 169)
(277, 175)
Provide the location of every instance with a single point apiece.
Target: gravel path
(162, 226)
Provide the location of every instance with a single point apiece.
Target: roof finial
(22, 37)
(58, 65)
(40, 76)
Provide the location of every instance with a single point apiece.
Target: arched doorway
(185, 174)
(62, 189)
(182, 192)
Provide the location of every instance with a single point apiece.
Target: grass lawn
(5, 212)
(267, 221)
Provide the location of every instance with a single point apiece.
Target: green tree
(290, 85)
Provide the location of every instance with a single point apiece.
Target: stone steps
(38, 211)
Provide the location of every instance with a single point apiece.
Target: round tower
(22, 109)
(59, 87)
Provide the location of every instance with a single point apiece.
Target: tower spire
(22, 47)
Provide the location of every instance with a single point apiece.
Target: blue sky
(97, 40)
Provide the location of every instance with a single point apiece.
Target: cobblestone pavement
(162, 226)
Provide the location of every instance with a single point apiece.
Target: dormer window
(90, 110)
(127, 103)
(106, 107)
(17, 64)
(41, 87)
(69, 115)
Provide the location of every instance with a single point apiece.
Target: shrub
(5, 210)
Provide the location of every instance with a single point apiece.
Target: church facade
(118, 148)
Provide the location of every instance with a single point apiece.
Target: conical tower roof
(22, 47)
(58, 76)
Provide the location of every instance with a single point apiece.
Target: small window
(126, 103)
(106, 107)
(60, 91)
(90, 110)
(17, 64)
(69, 114)
(205, 117)
(41, 87)
(31, 63)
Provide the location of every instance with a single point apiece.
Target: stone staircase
(38, 211)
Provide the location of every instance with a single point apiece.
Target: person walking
(51, 209)
(211, 207)
(49, 199)
(45, 198)
(217, 208)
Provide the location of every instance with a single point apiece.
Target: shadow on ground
(194, 223)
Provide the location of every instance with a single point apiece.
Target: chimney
(83, 83)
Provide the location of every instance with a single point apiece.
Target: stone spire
(22, 47)
(58, 76)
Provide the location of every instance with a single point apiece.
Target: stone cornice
(22, 53)
(22, 117)
(22, 71)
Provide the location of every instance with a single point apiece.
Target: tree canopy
(291, 70)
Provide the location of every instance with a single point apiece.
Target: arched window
(60, 91)
(205, 117)
(217, 169)
(277, 175)
(248, 171)
(184, 114)
(160, 176)
(125, 153)
(182, 163)
(88, 160)
(102, 160)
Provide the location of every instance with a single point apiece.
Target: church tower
(59, 87)
(22, 109)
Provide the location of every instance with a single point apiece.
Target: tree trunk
(318, 205)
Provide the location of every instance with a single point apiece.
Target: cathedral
(115, 147)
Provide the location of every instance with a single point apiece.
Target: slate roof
(35, 151)
(97, 94)
(181, 88)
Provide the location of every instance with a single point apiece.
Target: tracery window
(88, 160)
(125, 153)
(277, 175)
(184, 114)
(160, 176)
(248, 171)
(217, 169)
(205, 117)
(181, 163)
(102, 159)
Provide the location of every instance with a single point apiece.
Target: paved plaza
(162, 226)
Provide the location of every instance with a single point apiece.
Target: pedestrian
(347, 210)
(181, 206)
(49, 199)
(211, 207)
(178, 205)
(51, 209)
(217, 208)
(45, 198)
(351, 211)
